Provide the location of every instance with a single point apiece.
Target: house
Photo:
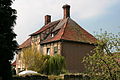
(63, 37)
(19, 64)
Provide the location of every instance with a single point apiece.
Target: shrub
(30, 77)
(54, 65)
(33, 60)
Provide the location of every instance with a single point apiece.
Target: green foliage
(103, 63)
(32, 59)
(45, 64)
(27, 57)
(30, 77)
(108, 42)
(56, 77)
(78, 76)
(54, 65)
(7, 43)
(37, 63)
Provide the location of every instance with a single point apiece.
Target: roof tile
(51, 24)
(26, 43)
(73, 32)
(68, 30)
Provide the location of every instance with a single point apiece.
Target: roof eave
(49, 42)
(68, 41)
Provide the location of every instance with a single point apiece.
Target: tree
(32, 59)
(7, 43)
(27, 57)
(54, 65)
(103, 63)
(37, 63)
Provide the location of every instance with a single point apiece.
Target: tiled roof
(51, 24)
(67, 30)
(70, 30)
(60, 24)
(14, 63)
(26, 43)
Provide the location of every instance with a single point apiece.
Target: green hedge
(76, 77)
(30, 77)
(52, 77)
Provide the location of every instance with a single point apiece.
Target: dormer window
(52, 35)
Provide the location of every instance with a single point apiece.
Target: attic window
(52, 35)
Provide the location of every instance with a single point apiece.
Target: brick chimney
(66, 9)
(47, 19)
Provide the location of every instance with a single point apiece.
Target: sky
(92, 15)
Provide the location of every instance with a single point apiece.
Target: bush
(78, 76)
(54, 65)
(34, 60)
(30, 77)
(103, 62)
(54, 77)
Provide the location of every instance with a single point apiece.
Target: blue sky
(92, 15)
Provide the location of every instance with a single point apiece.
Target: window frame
(48, 51)
(55, 50)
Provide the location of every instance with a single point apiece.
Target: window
(48, 51)
(52, 35)
(55, 50)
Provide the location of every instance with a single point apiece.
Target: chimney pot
(47, 19)
(66, 9)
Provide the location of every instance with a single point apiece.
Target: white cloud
(31, 12)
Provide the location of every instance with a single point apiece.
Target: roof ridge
(64, 28)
